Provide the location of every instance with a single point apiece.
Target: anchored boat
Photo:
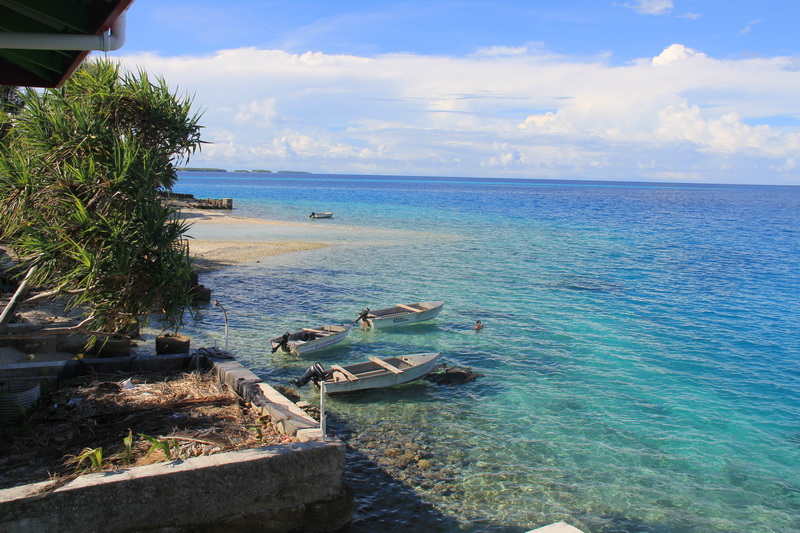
(376, 373)
(309, 340)
(399, 315)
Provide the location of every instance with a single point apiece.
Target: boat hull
(392, 317)
(312, 340)
(373, 376)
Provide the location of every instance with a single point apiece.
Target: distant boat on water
(399, 315)
(326, 214)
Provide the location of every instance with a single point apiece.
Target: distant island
(257, 171)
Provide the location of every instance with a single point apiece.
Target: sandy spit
(213, 255)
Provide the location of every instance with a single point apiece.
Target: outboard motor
(364, 314)
(283, 343)
(314, 373)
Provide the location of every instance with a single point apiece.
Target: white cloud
(726, 134)
(509, 50)
(675, 53)
(512, 112)
(747, 29)
(652, 7)
(258, 112)
(505, 156)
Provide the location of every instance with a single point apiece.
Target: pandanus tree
(10, 105)
(81, 172)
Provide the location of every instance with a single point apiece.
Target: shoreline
(207, 256)
(210, 255)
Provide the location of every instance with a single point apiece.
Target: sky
(704, 91)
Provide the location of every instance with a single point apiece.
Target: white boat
(309, 340)
(399, 315)
(327, 214)
(373, 374)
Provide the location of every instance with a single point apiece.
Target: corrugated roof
(50, 68)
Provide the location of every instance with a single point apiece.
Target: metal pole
(224, 314)
(322, 425)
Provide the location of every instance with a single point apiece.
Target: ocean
(639, 366)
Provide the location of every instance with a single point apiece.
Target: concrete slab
(295, 487)
(274, 488)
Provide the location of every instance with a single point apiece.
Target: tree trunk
(13, 304)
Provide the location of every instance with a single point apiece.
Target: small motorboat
(326, 214)
(376, 373)
(399, 315)
(309, 340)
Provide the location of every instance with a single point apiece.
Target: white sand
(213, 255)
(223, 216)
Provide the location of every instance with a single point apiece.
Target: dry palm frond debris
(107, 422)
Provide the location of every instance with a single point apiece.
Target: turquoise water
(639, 361)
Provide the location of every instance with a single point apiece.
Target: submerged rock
(444, 375)
(289, 392)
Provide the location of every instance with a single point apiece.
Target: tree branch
(48, 294)
(44, 332)
(16, 300)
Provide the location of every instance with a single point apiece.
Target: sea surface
(640, 361)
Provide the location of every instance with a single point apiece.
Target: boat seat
(349, 375)
(384, 364)
(408, 308)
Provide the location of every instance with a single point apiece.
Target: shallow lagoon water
(639, 361)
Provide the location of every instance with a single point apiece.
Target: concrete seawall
(296, 487)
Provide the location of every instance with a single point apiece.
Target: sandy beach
(212, 255)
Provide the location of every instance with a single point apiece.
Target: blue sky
(657, 90)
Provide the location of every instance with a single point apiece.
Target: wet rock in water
(405, 460)
(405, 454)
(444, 375)
(310, 409)
(289, 392)
(392, 452)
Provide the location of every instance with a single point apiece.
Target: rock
(290, 393)
(443, 375)
(200, 293)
